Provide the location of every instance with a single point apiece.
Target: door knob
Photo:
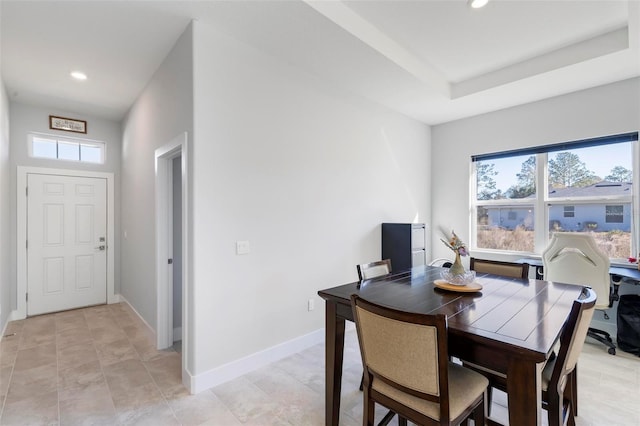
(101, 247)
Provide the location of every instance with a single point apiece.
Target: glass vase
(457, 268)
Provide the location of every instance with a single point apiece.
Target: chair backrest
(574, 258)
(505, 269)
(442, 262)
(572, 339)
(407, 351)
(374, 269)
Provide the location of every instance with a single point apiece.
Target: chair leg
(402, 421)
(555, 409)
(571, 390)
(368, 411)
(603, 337)
(387, 418)
(478, 414)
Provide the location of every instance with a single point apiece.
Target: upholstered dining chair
(407, 368)
(379, 268)
(559, 395)
(505, 269)
(574, 258)
(367, 271)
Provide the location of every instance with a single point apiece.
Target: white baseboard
(123, 300)
(245, 365)
(13, 316)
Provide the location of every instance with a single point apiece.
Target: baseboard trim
(122, 299)
(13, 316)
(237, 368)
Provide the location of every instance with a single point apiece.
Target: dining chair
(407, 368)
(441, 262)
(574, 258)
(367, 271)
(505, 269)
(379, 268)
(559, 392)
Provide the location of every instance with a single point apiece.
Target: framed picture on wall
(67, 124)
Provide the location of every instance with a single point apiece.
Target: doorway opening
(171, 229)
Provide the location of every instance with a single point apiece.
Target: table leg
(334, 354)
(524, 392)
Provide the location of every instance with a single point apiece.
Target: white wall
(305, 173)
(604, 110)
(26, 119)
(5, 211)
(162, 111)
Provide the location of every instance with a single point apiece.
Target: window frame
(607, 215)
(541, 203)
(569, 211)
(79, 142)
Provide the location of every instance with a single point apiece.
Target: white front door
(66, 242)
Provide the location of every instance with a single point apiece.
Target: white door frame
(164, 242)
(21, 219)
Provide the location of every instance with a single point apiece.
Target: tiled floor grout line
(104, 376)
(153, 379)
(6, 395)
(55, 323)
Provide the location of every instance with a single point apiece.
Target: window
(70, 149)
(522, 197)
(614, 214)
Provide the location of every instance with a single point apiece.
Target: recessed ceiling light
(477, 4)
(78, 75)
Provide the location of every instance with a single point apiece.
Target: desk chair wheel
(612, 351)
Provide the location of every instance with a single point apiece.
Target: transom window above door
(69, 149)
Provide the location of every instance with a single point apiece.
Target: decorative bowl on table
(459, 279)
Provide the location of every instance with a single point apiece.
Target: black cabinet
(404, 244)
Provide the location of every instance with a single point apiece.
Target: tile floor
(98, 366)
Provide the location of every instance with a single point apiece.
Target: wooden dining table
(510, 326)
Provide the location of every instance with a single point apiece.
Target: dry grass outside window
(615, 243)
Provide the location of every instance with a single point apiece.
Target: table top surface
(525, 316)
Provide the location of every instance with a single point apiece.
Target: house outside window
(521, 198)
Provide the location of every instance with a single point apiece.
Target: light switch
(243, 247)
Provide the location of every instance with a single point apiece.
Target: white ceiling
(435, 61)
